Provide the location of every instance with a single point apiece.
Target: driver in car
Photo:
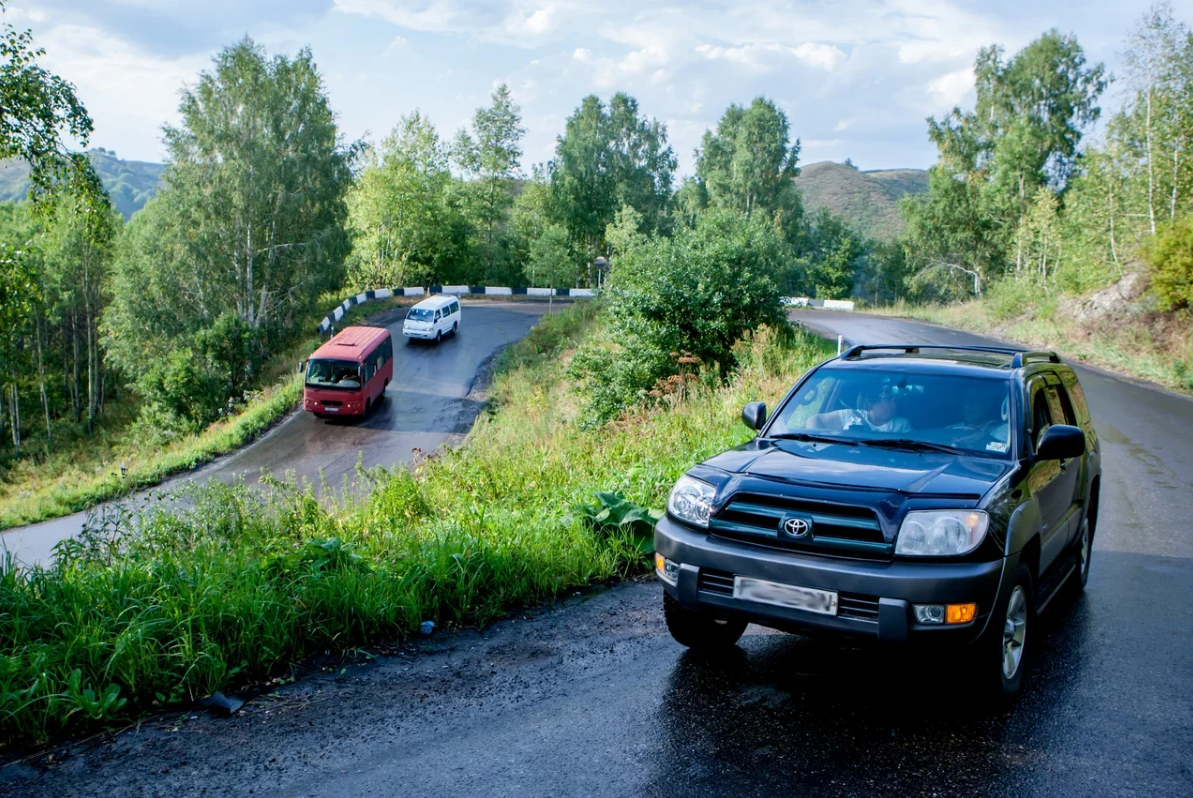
(875, 412)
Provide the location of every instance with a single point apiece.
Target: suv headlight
(691, 501)
(941, 533)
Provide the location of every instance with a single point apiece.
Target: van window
(438, 315)
(454, 307)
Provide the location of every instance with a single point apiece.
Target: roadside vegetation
(1032, 233)
(250, 580)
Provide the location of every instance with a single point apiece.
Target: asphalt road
(593, 698)
(428, 403)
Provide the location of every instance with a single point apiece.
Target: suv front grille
(849, 605)
(840, 530)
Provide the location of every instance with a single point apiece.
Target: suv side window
(1076, 396)
(455, 308)
(1062, 408)
(1041, 414)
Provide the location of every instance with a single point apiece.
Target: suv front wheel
(1005, 650)
(699, 631)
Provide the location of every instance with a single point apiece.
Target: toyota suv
(918, 495)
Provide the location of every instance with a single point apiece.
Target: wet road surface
(428, 403)
(594, 698)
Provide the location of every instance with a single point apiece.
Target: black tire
(455, 327)
(368, 407)
(698, 631)
(995, 651)
(1085, 553)
(439, 337)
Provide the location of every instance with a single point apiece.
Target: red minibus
(348, 375)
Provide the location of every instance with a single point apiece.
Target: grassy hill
(130, 183)
(866, 200)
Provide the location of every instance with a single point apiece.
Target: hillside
(130, 183)
(867, 200)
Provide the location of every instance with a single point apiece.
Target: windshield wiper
(911, 445)
(807, 436)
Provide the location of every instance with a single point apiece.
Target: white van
(433, 318)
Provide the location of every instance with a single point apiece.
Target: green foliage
(1170, 256)
(1021, 137)
(406, 213)
(834, 254)
(551, 262)
(690, 297)
(607, 158)
(749, 164)
(490, 154)
(613, 513)
(247, 232)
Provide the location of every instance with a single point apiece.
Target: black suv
(926, 495)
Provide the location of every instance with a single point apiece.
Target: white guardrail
(827, 304)
(455, 290)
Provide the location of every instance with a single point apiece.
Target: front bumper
(425, 335)
(345, 409)
(875, 597)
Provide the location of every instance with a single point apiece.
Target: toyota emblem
(796, 527)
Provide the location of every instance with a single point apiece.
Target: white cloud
(128, 92)
(950, 88)
(825, 56)
(842, 124)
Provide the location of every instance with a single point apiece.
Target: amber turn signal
(960, 613)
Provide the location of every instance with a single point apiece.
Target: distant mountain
(866, 200)
(130, 183)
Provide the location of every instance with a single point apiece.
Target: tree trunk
(75, 393)
(41, 381)
(1176, 154)
(15, 409)
(1113, 246)
(1151, 182)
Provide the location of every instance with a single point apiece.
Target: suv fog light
(961, 613)
(668, 571)
(929, 613)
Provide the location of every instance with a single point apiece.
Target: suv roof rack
(1018, 357)
(1022, 358)
(914, 349)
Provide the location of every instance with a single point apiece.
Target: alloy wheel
(1014, 633)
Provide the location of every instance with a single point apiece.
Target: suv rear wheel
(699, 631)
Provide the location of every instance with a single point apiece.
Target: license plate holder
(808, 599)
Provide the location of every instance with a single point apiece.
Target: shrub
(179, 393)
(692, 295)
(1170, 256)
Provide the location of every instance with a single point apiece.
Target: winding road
(594, 698)
(427, 404)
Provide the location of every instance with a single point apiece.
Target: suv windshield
(902, 408)
(421, 314)
(333, 374)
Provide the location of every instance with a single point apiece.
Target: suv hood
(865, 467)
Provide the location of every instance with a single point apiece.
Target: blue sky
(856, 77)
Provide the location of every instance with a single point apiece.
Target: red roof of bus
(351, 343)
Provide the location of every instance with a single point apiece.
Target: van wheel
(439, 337)
(455, 327)
(368, 407)
(699, 631)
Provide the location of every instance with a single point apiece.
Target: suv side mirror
(753, 415)
(1061, 442)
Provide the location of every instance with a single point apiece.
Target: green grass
(84, 471)
(251, 580)
(1154, 348)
